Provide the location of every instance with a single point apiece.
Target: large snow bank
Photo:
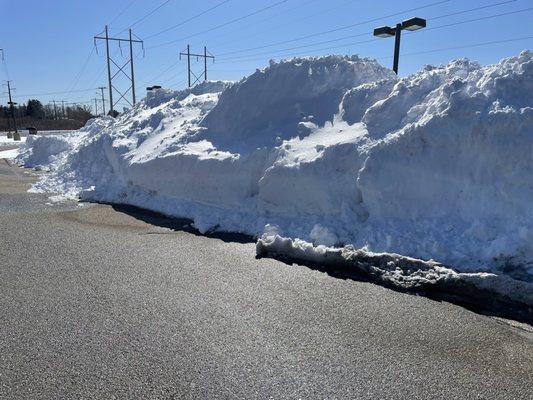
(332, 150)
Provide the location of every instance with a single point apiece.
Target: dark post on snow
(412, 24)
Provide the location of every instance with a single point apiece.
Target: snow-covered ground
(9, 154)
(331, 150)
(5, 142)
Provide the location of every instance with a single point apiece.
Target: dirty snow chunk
(322, 235)
(398, 271)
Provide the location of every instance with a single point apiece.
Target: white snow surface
(5, 142)
(9, 154)
(332, 150)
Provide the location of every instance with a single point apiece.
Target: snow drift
(331, 150)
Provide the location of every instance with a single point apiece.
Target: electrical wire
(362, 34)
(122, 12)
(219, 38)
(223, 24)
(340, 28)
(82, 70)
(468, 46)
(145, 17)
(187, 20)
(147, 82)
(366, 34)
(54, 93)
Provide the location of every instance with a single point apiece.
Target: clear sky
(49, 48)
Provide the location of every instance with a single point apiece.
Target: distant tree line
(48, 116)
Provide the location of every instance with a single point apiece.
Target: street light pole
(412, 24)
(397, 38)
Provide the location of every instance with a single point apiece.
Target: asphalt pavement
(102, 302)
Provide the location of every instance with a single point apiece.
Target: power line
(340, 28)
(187, 20)
(362, 34)
(367, 41)
(144, 17)
(312, 35)
(53, 93)
(475, 20)
(82, 70)
(122, 12)
(474, 9)
(224, 24)
(175, 76)
(274, 16)
(468, 46)
(243, 59)
(450, 48)
(161, 73)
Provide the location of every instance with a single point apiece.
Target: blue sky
(49, 48)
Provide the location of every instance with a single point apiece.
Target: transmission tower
(120, 69)
(190, 72)
(102, 88)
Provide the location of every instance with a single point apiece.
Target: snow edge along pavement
(490, 292)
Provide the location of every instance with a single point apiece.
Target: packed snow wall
(333, 150)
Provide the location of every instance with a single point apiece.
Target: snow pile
(48, 152)
(332, 150)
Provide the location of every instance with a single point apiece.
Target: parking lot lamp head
(412, 24)
(384, 31)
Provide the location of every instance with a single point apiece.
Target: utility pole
(16, 135)
(120, 69)
(108, 69)
(103, 99)
(62, 109)
(205, 63)
(188, 64)
(190, 72)
(132, 73)
(55, 109)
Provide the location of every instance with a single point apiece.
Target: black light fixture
(412, 24)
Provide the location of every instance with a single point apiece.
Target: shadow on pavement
(478, 302)
(178, 224)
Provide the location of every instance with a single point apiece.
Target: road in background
(97, 303)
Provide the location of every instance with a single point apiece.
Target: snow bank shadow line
(477, 300)
(177, 224)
